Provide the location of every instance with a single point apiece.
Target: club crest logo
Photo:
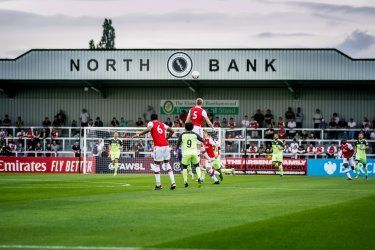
(179, 64)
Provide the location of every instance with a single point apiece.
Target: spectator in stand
(252, 150)
(61, 117)
(20, 135)
(372, 137)
(7, 122)
(54, 134)
(76, 149)
(293, 148)
(259, 117)
(12, 146)
(38, 148)
(331, 151)
(289, 114)
(123, 122)
(183, 116)
(46, 122)
(280, 122)
(320, 151)
(342, 124)
(317, 118)
(55, 122)
(75, 132)
(216, 122)
(253, 124)
(19, 122)
(364, 122)
(169, 122)
(336, 117)
(281, 132)
(367, 131)
(232, 123)
(268, 117)
(261, 150)
(210, 115)
(98, 122)
(224, 123)
(299, 118)
(311, 151)
(312, 136)
(245, 123)
(84, 118)
(351, 125)
(29, 137)
(91, 123)
(177, 123)
(36, 138)
(115, 123)
(55, 147)
(268, 134)
(332, 125)
(268, 150)
(291, 126)
(6, 150)
(139, 123)
(49, 149)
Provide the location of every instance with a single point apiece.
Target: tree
(108, 37)
(92, 44)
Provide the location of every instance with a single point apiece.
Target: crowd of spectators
(288, 126)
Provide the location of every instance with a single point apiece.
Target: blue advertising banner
(334, 167)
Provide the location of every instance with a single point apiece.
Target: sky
(348, 25)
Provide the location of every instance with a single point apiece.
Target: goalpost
(136, 154)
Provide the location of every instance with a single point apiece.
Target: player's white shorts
(349, 161)
(198, 130)
(162, 153)
(208, 160)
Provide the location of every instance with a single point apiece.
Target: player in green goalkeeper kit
(115, 147)
(188, 141)
(277, 154)
(360, 154)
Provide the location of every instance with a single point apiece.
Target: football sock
(203, 173)
(357, 168)
(157, 178)
(281, 169)
(116, 167)
(171, 176)
(199, 172)
(347, 172)
(213, 177)
(365, 168)
(226, 171)
(184, 174)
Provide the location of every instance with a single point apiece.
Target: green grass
(245, 212)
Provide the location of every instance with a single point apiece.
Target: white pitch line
(297, 189)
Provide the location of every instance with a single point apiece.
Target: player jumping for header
(162, 152)
(188, 142)
(197, 116)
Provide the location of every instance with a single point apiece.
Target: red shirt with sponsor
(216, 124)
(311, 150)
(209, 148)
(197, 115)
(320, 149)
(254, 124)
(232, 124)
(158, 133)
(252, 149)
(347, 150)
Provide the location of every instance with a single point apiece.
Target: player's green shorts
(361, 160)
(189, 159)
(115, 155)
(278, 158)
(216, 164)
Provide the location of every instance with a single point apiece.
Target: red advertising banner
(263, 166)
(46, 165)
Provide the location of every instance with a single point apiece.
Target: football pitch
(124, 212)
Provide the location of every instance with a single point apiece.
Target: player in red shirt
(197, 115)
(211, 155)
(162, 153)
(347, 152)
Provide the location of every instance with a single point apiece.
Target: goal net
(136, 154)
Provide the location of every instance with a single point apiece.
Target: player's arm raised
(209, 123)
(188, 118)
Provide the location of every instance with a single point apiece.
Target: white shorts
(349, 161)
(162, 153)
(198, 130)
